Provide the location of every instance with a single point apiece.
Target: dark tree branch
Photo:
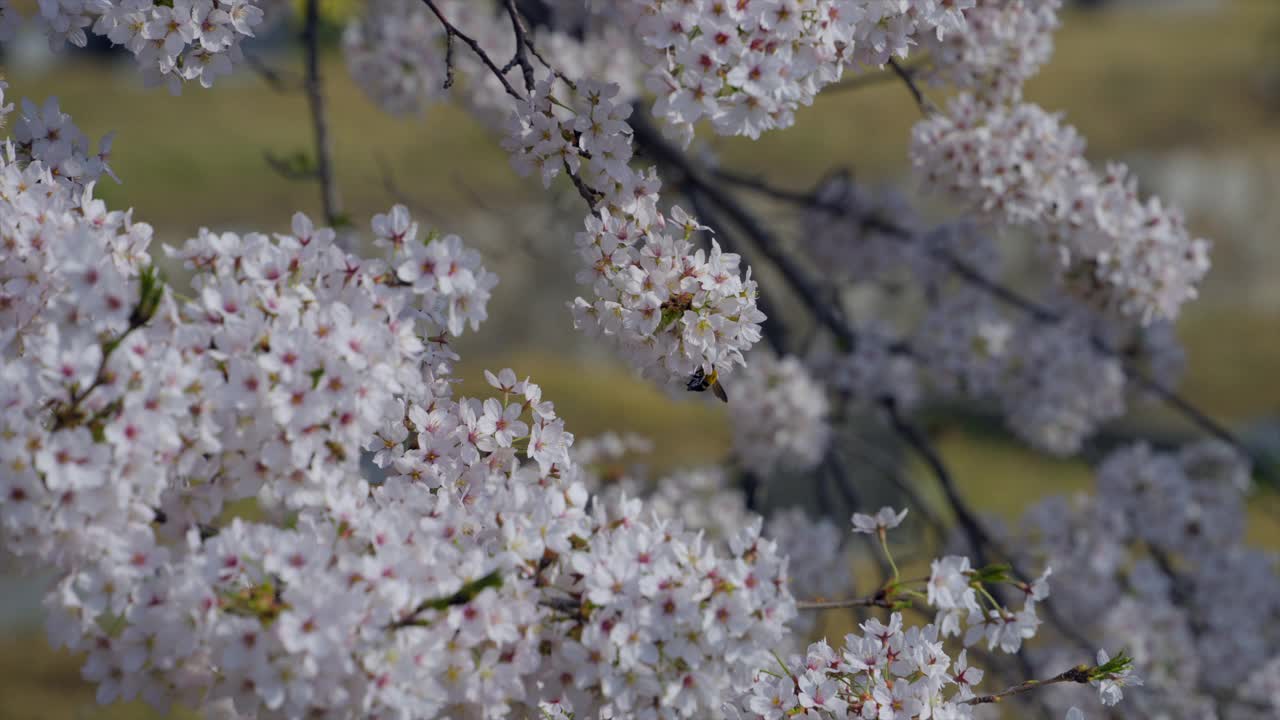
(329, 198)
(452, 33)
(974, 533)
(762, 187)
(274, 78)
(888, 469)
(523, 46)
(774, 331)
(587, 193)
(977, 536)
(650, 140)
(1008, 296)
(858, 82)
(870, 79)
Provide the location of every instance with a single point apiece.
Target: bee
(701, 380)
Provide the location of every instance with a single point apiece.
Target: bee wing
(718, 389)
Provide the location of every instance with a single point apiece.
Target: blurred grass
(1232, 361)
(1131, 80)
(199, 159)
(42, 684)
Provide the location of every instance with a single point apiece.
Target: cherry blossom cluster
(953, 589)
(704, 499)
(1056, 380)
(875, 370)
(1018, 165)
(658, 620)
(472, 579)
(836, 233)
(291, 323)
(673, 309)
(1156, 561)
(477, 578)
(818, 558)
(1022, 166)
(1001, 45)
(780, 415)
(894, 670)
(492, 567)
(48, 223)
(959, 592)
(47, 134)
(173, 42)
(1059, 388)
(747, 67)
(884, 672)
(891, 671)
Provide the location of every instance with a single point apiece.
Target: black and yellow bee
(700, 381)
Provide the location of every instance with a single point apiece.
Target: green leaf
(465, 594)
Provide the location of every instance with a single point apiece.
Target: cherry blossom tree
(419, 553)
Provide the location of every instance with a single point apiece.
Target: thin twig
(977, 537)
(908, 78)
(880, 600)
(521, 57)
(274, 78)
(873, 455)
(1078, 674)
(857, 82)
(870, 79)
(452, 33)
(588, 193)
(762, 187)
(329, 198)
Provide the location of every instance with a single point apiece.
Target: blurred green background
(1186, 92)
